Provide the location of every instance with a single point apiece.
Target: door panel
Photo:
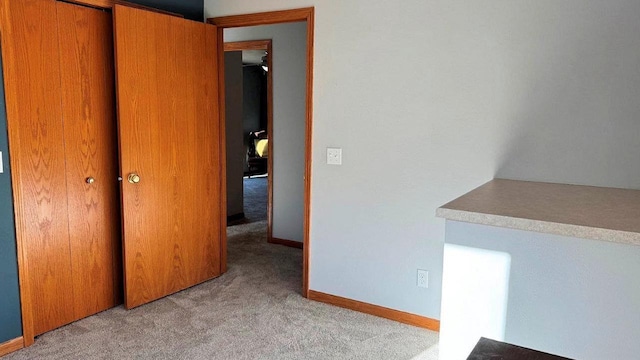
(167, 93)
(32, 83)
(88, 106)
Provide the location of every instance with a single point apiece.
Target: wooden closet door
(32, 82)
(167, 93)
(88, 108)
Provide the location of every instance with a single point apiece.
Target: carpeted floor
(255, 198)
(254, 311)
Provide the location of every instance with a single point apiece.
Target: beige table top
(589, 212)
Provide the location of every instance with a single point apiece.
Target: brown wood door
(90, 137)
(167, 93)
(32, 82)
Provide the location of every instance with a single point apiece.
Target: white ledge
(597, 213)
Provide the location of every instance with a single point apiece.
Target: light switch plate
(334, 156)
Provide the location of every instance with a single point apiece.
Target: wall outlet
(1, 164)
(334, 156)
(423, 278)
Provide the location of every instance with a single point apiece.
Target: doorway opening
(249, 132)
(305, 16)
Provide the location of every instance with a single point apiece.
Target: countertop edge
(570, 230)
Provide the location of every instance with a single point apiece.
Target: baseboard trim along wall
(395, 315)
(11, 346)
(290, 243)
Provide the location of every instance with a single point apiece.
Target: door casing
(270, 18)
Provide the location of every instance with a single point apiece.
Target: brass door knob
(90, 180)
(133, 178)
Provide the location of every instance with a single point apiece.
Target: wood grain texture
(223, 149)
(391, 314)
(270, 143)
(247, 45)
(11, 346)
(276, 17)
(308, 151)
(264, 18)
(104, 4)
(289, 243)
(9, 56)
(108, 4)
(169, 134)
(88, 106)
(34, 118)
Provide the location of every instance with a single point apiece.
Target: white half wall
(430, 99)
(571, 297)
(233, 128)
(289, 121)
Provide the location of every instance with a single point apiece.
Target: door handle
(133, 178)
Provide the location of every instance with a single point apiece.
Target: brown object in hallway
(391, 314)
(88, 109)
(289, 243)
(170, 136)
(278, 17)
(11, 346)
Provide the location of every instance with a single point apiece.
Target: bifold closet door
(34, 118)
(90, 136)
(167, 93)
(59, 80)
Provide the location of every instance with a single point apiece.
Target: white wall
(572, 297)
(234, 136)
(289, 87)
(430, 99)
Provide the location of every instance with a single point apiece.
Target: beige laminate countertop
(588, 212)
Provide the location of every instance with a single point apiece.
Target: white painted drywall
(234, 136)
(430, 99)
(567, 296)
(289, 86)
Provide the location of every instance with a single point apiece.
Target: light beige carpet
(254, 311)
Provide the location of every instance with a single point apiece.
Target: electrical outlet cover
(423, 278)
(334, 156)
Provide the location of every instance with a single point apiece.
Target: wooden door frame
(270, 18)
(266, 45)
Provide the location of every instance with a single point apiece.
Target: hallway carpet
(255, 198)
(254, 311)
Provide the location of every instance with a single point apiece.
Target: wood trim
(270, 173)
(308, 153)
(223, 152)
(264, 18)
(380, 311)
(109, 4)
(289, 243)
(248, 45)
(102, 4)
(277, 17)
(11, 346)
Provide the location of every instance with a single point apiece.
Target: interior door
(167, 94)
(88, 110)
